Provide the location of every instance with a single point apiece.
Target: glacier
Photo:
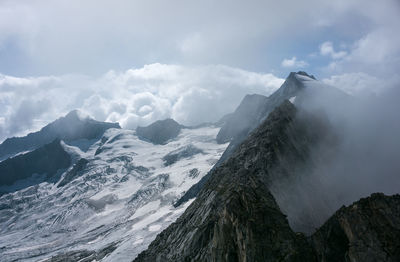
(112, 201)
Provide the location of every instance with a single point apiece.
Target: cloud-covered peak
(137, 96)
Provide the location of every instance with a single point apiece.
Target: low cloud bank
(190, 95)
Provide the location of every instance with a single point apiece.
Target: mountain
(243, 119)
(254, 109)
(367, 230)
(160, 131)
(43, 162)
(69, 128)
(109, 202)
(236, 217)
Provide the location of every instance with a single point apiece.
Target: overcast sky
(138, 61)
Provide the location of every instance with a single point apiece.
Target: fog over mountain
(227, 130)
(357, 158)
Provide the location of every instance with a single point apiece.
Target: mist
(359, 155)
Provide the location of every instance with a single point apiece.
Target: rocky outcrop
(367, 230)
(69, 128)
(234, 217)
(46, 161)
(160, 131)
(243, 119)
(252, 111)
(180, 153)
(76, 170)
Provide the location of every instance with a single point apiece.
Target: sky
(135, 62)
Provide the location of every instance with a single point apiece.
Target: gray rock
(46, 160)
(234, 217)
(368, 230)
(236, 127)
(160, 131)
(180, 153)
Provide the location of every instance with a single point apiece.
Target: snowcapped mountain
(110, 202)
(73, 127)
(83, 190)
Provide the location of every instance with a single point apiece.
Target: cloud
(374, 49)
(361, 84)
(138, 96)
(293, 62)
(235, 33)
(326, 49)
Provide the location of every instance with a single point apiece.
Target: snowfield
(120, 198)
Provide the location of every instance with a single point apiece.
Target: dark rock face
(68, 128)
(367, 230)
(160, 131)
(234, 217)
(236, 127)
(44, 160)
(74, 172)
(180, 153)
(243, 119)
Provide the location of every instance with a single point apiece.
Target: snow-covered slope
(111, 203)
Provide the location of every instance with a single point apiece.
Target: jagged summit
(251, 112)
(160, 131)
(303, 74)
(74, 126)
(293, 84)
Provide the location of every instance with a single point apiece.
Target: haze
(135, 62)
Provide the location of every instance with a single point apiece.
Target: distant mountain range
(69, 128)
(242, 189)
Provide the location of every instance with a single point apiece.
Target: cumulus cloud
(327, 49)
(293, 62)
(137, 96)
(375, 48)
(361, 84)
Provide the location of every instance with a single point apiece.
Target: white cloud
(135, 33)
(327, 49)
(361, 84)
(293, 62)
(138, 96)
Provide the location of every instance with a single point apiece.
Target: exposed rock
(252, 111)
(69, 128)
(74, 172)
(234, 217)
(367, 230)
(180, 153)
(45, 160)
(243, 119)
(160, 131)
(83, 255)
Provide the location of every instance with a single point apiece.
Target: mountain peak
(76, 115)
(302, 73)
(74, 126)
(160, 131)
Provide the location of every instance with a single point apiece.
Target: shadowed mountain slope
(69, 128)
(234, 217)
(251, 112)
(45, 161)
(160, 131)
